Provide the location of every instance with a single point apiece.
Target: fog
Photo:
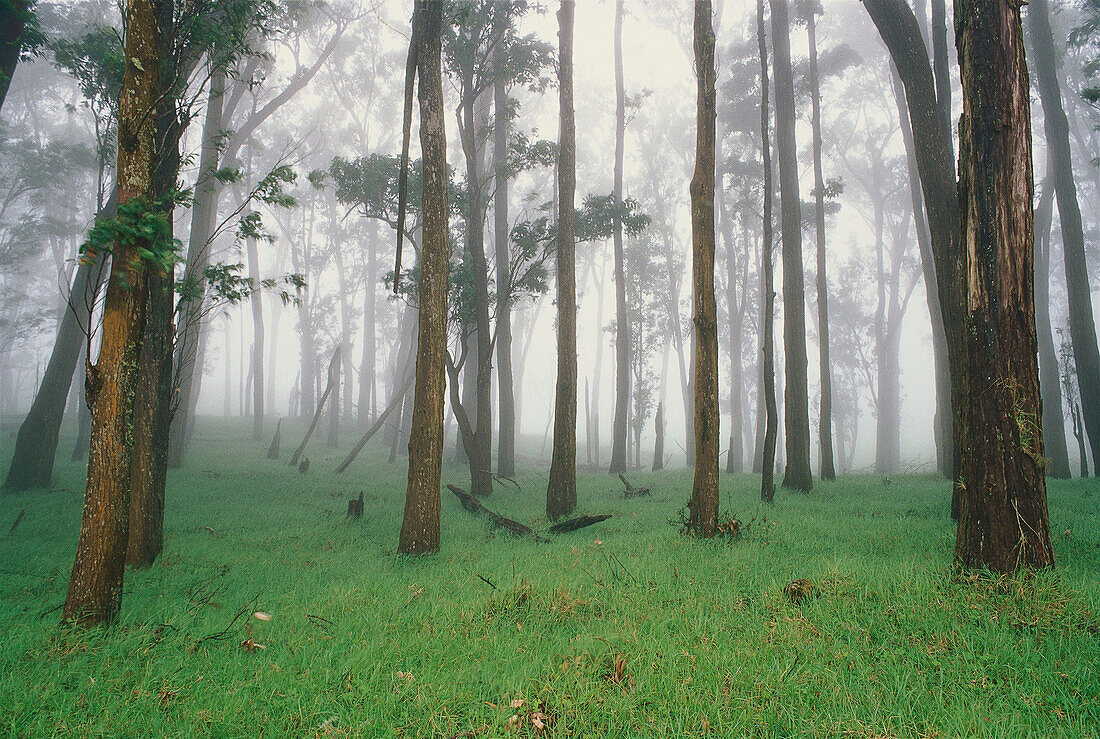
(55, 172)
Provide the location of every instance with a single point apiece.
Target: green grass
(365, 643)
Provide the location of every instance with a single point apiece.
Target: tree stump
(273, 450)
(304, 466)
(355, 507)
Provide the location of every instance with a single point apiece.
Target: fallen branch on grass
(473, 505)
(631, 491)
(579, 522)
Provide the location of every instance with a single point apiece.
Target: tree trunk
(256, 300)
(333, 381)
(825, 421)
(368, 387)
(1082, 328)
(561, 493)
(420, 526)
(704, 491)
(204, 211)
(619, 428)
(506, 430)
(13, 19)
(1050, 386)
(898, 28)
(1003, 521)
(735, 456)
(796, 394)
(36, 443)
(95, 589)
(771, 427)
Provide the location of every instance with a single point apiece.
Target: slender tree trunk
(796, 393)
(204, 211)
(620, 429)
(1082, 328)
(736, 453)
(506, 431)
(95, 589)
(256, 300)
(36, 444)
(420, 526)
(1003, 522)
(1050, 386)
(561, 493)
(825, 370)
(367, 375)
(84, 415)
(1079, 434)
(704, 492)
(771, 427)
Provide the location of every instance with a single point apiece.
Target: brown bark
(620, 424)
(1082, 327)
(420, 526)
(771, 422)
(796, 404)
(561, 493)
(704, 491)
(95, 589)
(1003, 521)
(825, 370)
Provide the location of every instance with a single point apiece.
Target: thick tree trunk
(619, 428)
(561, 493)
(796, 394)
(36, 444)
(1050, 386)
(1082, 328)
(420, 526)
(704, 492)
(659, 438)
(771, 423)
(825, 370)
(95, 589)
(1003, 522)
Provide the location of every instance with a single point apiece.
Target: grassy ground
(623, 629)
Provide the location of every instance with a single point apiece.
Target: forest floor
(626, 628)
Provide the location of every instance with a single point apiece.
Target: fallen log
(398, 399)
(473, 505)
(631, 491)
(579, 522)
(18, 520)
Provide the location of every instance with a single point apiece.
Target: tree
(18, 31)
(1003, 522)
(767, 341)
(704, 491)
(420, 526)
(796, 393)
(95, 589)
(561, 493)
(620, 426)
(1082, 328)
(825, 419)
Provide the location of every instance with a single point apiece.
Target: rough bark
(704, 492)
(1082, 327)
(1003, 522)
(771, 413)
(95, 589)
(825, 370)
(561, 493)
(796, 404)
(420, 526)
(619, 429)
